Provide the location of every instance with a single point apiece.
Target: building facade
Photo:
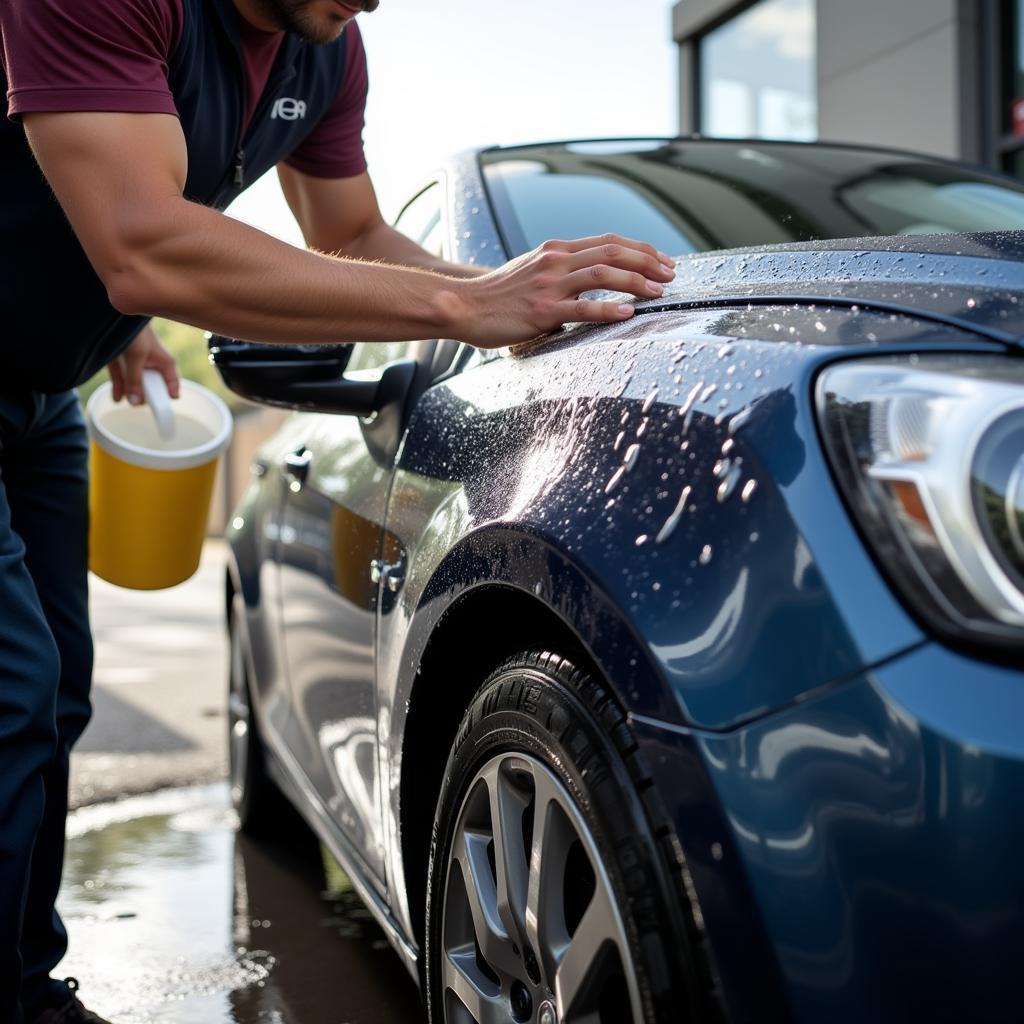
(940, 76)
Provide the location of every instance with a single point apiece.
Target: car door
(338, 472)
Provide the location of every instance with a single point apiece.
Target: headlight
(929, 453)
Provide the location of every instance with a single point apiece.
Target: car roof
(740, 142)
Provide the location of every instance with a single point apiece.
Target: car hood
(973, 281)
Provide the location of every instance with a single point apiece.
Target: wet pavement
(159, 689)
(174, 917)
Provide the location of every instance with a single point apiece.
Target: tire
(575, 914)
(256, 800)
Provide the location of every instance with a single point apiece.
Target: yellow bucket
(152, 469)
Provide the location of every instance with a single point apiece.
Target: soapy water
(136, 426)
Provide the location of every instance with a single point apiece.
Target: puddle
(174, 917)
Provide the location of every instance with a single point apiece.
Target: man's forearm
(382, 242)
(195, 265)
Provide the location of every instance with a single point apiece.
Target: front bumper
(860, 856)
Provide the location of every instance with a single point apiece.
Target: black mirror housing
(305, 377)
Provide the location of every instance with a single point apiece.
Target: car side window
(419, 220)
(371, 355)
(433, 241)
(421, 217)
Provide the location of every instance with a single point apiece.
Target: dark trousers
(45, 673)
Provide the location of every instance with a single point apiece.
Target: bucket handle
(154, 387)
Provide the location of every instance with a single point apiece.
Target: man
(146, 117)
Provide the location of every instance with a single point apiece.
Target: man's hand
(144, 353)
(523, 299)
(540, 291)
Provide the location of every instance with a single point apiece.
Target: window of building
(757, 73)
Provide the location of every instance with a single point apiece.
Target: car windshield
(687, 196)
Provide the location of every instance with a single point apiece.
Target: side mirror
(307, 377)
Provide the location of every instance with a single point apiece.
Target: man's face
(316, 21)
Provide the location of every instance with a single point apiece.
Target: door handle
(296, 466)
(392, 575)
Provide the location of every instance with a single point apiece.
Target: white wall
(899, 74)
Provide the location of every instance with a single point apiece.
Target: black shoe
(72, 1012)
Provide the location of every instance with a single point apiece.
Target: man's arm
(341, 216)
(120, 180)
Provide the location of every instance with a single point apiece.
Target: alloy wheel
(532, 932)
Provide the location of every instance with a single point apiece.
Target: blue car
(668, 670)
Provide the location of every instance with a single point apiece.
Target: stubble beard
(294, 16)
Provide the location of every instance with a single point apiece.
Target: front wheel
(549, 898)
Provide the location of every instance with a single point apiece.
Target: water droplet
(705, 554)
(673, 520)
(722, 467)
(641, 540)
(755, 537)
(648, 402)
(728, 485)
(615, 480)
(819, 326)
(708, 392)
(618, 440)
(632, 454)
(728, 445)
(691, 398)
(642, 429)
(748, 490)
(740, 419)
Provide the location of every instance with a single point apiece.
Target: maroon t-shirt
(113, 55)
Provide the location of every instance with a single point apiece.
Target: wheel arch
(438, 702)
(513, 587)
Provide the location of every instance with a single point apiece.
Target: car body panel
(978, 293)
(706, 645)
(878, 825)
(332, 529)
